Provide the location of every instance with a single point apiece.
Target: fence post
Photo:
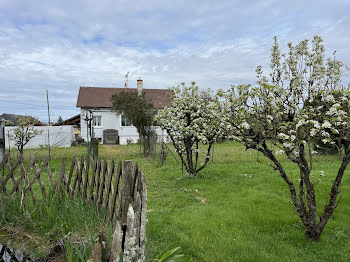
(2, 140)
(130, 233)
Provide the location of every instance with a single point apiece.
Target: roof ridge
(91, 96)
(167, 89)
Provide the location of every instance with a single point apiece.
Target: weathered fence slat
(41, 184)
(52, 181)
(77, 168)
(143, 191)
(43, 191)
(29, 186)
(24, 172)
(135, 176)
(8, 165)
(12, 176)
(98, 173)
(10, 173)
(19, 179)
(109, 184)
(92, 183)
(137, 219)
(2, 165)
(72, 167)
(80, 177)
(86, 181)
(127, 180)
(117, 176)
(4, 161)
(30, 190)
(102, 186)
(61, 175)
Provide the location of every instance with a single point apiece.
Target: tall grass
(64, 218)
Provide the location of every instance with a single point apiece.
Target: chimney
(139, 85)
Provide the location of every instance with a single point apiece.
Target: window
(97, 121)
(125, 121)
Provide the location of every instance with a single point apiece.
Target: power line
(21, 103)
(13, 102)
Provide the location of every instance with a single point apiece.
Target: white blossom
(313, 132)
(279, 152)
(324, 133)
(329, 98)
(288, 145)
(245, 125)
(316, 124)
(326, 124)
(283, 136)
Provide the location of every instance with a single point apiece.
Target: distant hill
(10, 117)
(13, 118)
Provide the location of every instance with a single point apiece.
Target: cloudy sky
(60, 45)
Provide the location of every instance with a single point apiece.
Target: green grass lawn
(237, 209)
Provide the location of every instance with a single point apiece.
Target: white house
(97, 101)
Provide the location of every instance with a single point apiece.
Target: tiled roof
(90, 97)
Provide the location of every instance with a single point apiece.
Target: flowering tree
(24, 131)
(303, 103)
(193, 118)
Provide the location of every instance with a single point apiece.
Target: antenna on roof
(126, 80)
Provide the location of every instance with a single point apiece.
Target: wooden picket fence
(96, 181)
(119, 191)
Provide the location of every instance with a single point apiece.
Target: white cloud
(60, 45)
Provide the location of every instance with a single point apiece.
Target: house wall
(110, 120)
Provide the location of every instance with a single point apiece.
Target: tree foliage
(136, 108)
(24, 131)
(59, 121)
(302, 102)
(193, 118)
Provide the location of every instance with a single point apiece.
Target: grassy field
(237, 209)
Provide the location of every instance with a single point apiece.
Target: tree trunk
(145, 146)
(188, 145)
(20, 149)
(305, 204)
(313, 233)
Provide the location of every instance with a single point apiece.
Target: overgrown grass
(237, 209)
(64, 218)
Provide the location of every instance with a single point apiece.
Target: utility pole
(2, 139)
(8, 138)
(48, 113)
(88, 118)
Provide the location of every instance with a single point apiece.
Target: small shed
(60, 136)
(73, 121)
